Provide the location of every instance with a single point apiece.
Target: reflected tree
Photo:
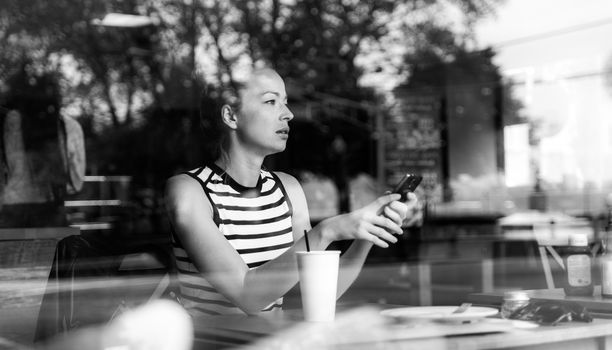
(124, 80)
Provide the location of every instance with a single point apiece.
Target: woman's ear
(229, 117)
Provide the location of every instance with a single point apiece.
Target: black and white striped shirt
(256, 221)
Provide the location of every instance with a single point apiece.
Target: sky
(557, 52)
(569, 28)
(523, 18)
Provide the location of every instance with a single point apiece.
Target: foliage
(135, 90)
(461, 69)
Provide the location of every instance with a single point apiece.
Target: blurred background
(502, 105)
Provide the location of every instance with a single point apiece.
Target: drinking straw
(306, 238)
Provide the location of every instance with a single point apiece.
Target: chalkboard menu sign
(413, 142)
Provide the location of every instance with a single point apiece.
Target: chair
(87, 285)
(551, 231)
(544, 250)
(552, 236)
(148, 261)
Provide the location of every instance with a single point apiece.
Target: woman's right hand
(367, 223)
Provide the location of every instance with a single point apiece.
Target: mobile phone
(408, 183)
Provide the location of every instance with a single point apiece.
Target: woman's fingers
(387, 225)
(412, 200)
(393, 215)
(365, 235)
(380, 229)
(402, 209)
(382, 201)
(399, 207)
(379, 242)
(390, 220)
(377, 235)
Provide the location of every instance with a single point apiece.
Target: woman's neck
(244, 170)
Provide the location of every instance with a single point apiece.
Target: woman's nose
(286, 113)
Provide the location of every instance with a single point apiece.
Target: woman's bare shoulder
(180, 183)
(293, 187)
(289, 181)
(183, 191)
(298, 201)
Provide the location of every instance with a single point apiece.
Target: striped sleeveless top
(256, 221)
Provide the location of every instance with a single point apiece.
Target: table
(480, 251)
(31, 246)
(598, 306)
(541, 234)
(36, 233)
(363, 328)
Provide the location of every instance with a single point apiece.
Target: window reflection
(504, 113)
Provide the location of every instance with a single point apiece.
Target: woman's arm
(251, 290)
(355, 256)
(353, 259)
(191, 215)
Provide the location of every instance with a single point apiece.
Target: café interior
(505, 115)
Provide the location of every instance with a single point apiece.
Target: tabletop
(601, 307)
(364, 327)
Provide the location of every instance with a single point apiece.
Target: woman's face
(263, 117)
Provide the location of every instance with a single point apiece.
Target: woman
(237, 227)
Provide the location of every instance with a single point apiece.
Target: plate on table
(442, 313)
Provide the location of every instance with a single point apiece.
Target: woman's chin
(277, 150)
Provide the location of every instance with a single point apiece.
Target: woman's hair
(216, 140)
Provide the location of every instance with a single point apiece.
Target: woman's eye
(271, 102)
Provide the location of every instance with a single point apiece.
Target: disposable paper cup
(318, 284)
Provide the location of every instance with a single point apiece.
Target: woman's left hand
(400, 212)
(368, 223)
(414, 215)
